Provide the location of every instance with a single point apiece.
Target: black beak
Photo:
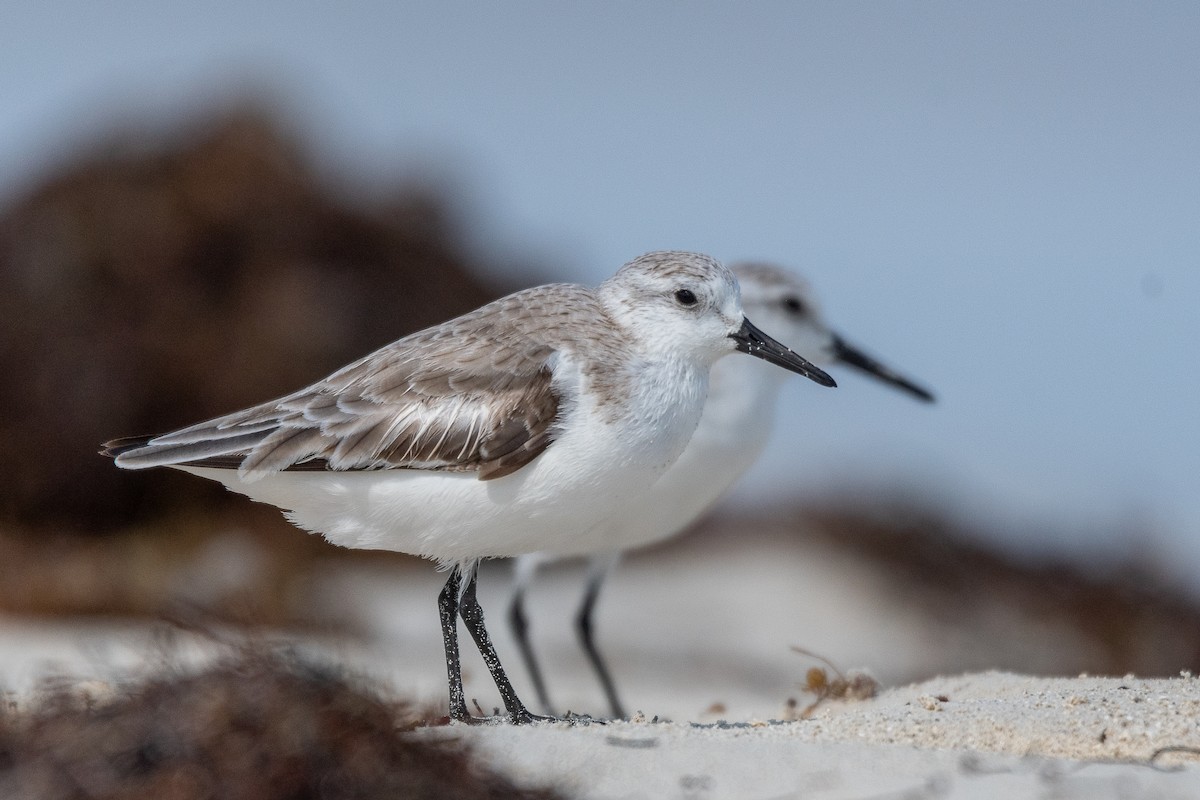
(753, 341)
(856, 358)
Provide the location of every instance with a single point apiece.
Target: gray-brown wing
(470, 395)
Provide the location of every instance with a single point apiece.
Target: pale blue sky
(1002, 200)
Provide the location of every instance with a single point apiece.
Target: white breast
(731, 434)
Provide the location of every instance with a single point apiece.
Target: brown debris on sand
(255, 726)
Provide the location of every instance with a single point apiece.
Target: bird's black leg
(448, 604)
(472, 615)
(520, 628)
(583, 625)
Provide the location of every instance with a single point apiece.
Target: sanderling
(521, 427)
(733, 430)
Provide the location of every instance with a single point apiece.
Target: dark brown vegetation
(163, 280)
(243, 565)
(256, 726)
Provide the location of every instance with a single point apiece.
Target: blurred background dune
(202, 209)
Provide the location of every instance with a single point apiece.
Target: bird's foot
(522, 716)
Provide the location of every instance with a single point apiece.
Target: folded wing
(470, 395)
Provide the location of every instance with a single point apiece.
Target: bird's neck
(664, 405)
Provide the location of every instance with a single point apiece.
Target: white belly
(559, 503)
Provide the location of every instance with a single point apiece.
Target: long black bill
(856, 358)
(753, 341)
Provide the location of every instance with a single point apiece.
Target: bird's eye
(793, 304)
(686, 297)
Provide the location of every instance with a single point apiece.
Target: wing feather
(469, 395)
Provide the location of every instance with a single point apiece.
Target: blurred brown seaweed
(257, 724)
(166, 279)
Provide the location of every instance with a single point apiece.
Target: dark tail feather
(194, 455)
(142, 452)
(115, 447)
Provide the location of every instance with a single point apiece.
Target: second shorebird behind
(738, 416)
(522, 426)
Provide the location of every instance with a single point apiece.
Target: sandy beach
(982, 735)
(701, 638)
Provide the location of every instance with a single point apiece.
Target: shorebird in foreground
(733, 430)
(523, 426)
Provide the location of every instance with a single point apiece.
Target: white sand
(702, 631)
(982, 735)
(706, 621)
(995, 735)
(711, 620)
